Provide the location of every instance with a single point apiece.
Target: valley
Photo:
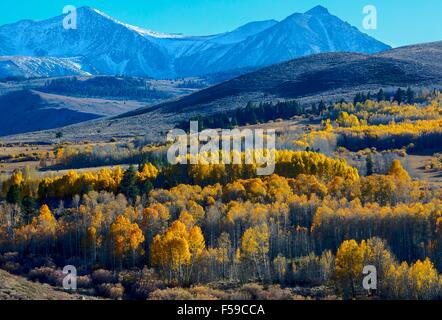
(40, 104)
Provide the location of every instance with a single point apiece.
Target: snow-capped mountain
(112, 47)
(298, 35)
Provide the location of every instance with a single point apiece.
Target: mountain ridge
(117, 48)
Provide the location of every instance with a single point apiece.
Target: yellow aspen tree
(171, 252)
(187, 219)
(424, 280)
(126, 236)
(197, 243)
(46, 221)
(349, 265)
(398, 171)
(255, 247)
(149, 171)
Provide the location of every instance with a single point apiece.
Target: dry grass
(20, 157)
(17, 288)
(417, 164)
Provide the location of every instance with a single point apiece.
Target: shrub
(255, 291)
(47, 275)
(111, 290)
(171, 294)
(275, 292)
(206, 293)
(12, 267)
(101, 276)
(10, 262)
(140, 284)
(84, 282)
(143, 288)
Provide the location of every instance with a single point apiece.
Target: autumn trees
(136, 183)
(177, 251)
(255, 247)
(420, 280)
(16, 189)
(351, 260)
(315, 222)
(382, 125)
(130, 182)
(288, 164)
(347, 121)
(73, 183)
(126, 236)
(268, 229)
(409, 229)
(39, 235)
(349, 265)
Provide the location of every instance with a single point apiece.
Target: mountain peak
(318, 10)
(94, 12)
(115, 47)
(86, 9)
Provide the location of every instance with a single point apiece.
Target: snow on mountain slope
(112, 47)
(243, 32)
(298, 35)
(20, 66)
(142, 31)
(179, 46)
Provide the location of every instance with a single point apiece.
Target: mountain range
(102, 45)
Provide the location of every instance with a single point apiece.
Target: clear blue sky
(400, 22)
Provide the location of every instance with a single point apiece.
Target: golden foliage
(127, 236)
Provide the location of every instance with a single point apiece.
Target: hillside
(309, 76)
(327, 76)
(41, 104)
(17, 288)
(426, 53)
(30, 110)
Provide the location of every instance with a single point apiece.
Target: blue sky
(400, 22)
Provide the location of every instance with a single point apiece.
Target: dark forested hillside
(129, 88)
